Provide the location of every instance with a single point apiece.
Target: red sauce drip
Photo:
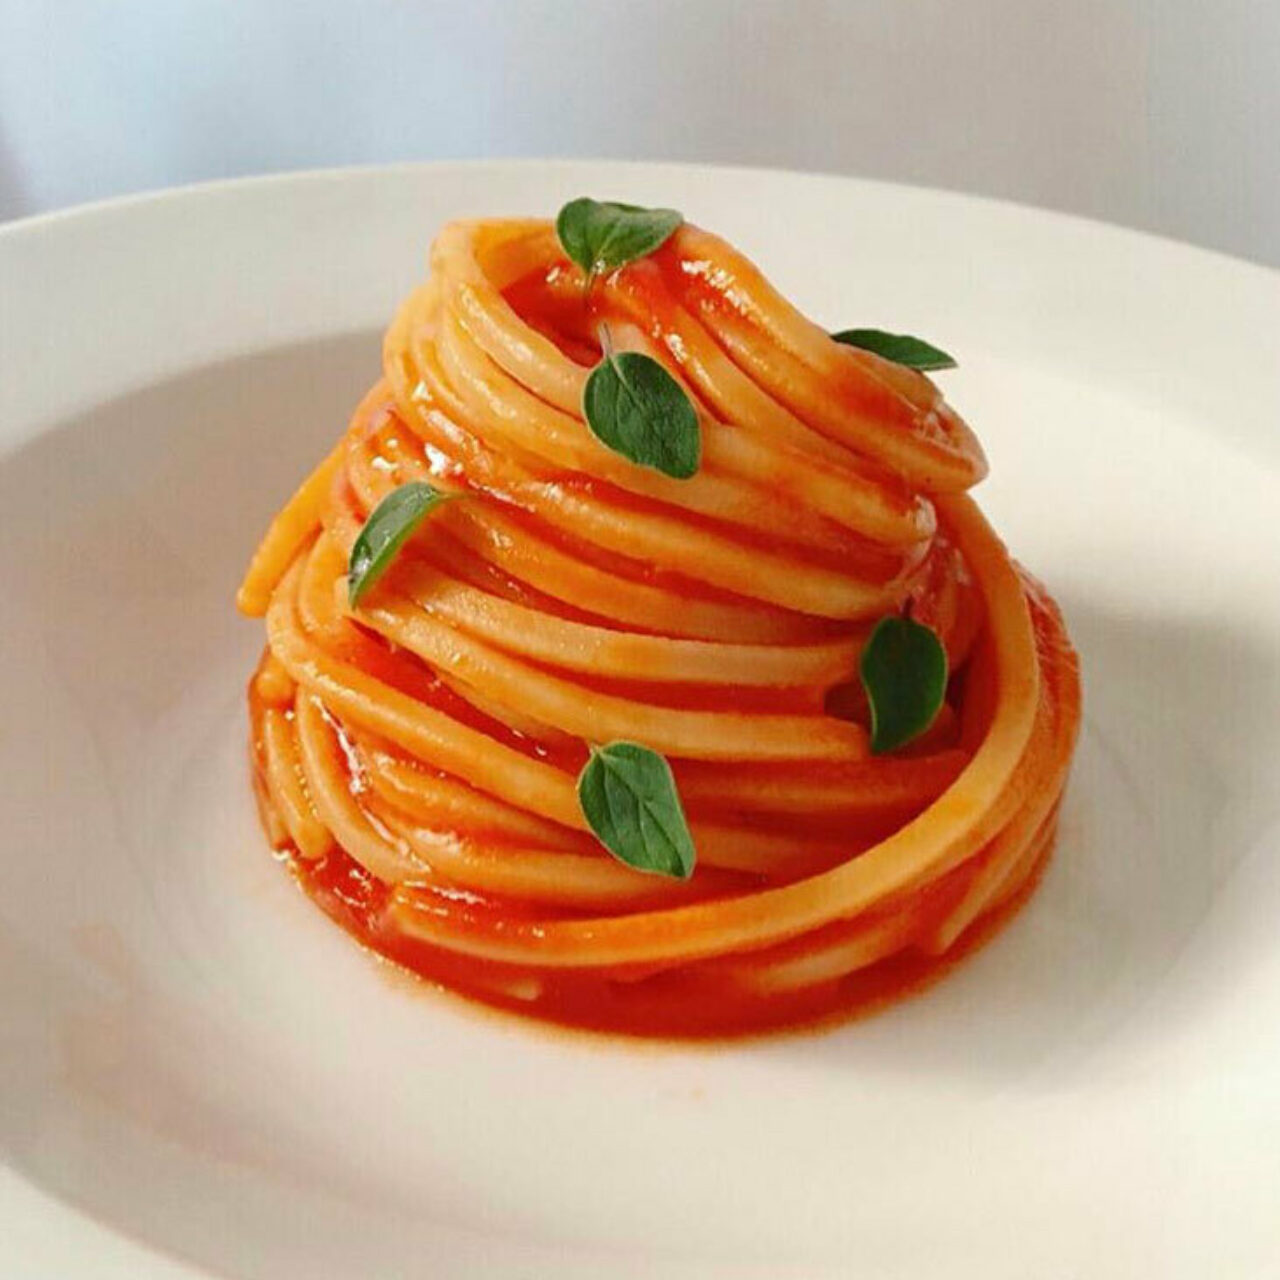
(686, 1004)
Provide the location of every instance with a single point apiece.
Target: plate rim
(37, 223)
(63, 1217)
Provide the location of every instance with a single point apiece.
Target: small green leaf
(639, 410)
(629, 798)
(386, 531)
(901, 348)
(600, 236)
(904, 671)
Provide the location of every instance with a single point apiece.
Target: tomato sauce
(690, 1003)
(566, 513)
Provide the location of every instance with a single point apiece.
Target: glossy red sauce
(677, 1005)
(686, 1004)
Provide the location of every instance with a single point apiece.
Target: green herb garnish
(386, 531)
(633, 405)
(904, 671)
(901, 348)
(600, 236)
(629, 798)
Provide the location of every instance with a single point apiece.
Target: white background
(1162, 114)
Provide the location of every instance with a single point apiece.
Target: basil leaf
(629, 798)
(904, 671)
(639, 410)
(386, 531)
(901, 348)
(600, 236)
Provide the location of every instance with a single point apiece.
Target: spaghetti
(416, 756)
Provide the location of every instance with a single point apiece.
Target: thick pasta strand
(416, 755)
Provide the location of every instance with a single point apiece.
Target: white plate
(193, 1056)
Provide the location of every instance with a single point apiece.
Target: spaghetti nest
(416, 756)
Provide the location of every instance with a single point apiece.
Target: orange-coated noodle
(417, 756)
